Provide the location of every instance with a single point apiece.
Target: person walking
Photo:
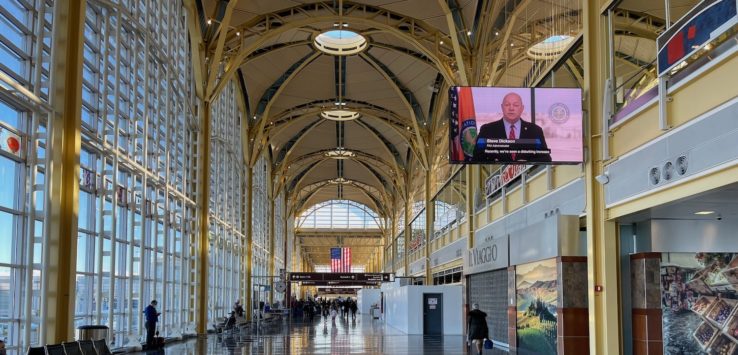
(354, 308)
(152, 317)
(476, 325)
(334, 313)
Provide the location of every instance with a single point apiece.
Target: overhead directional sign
(339, 283)
(341, 277)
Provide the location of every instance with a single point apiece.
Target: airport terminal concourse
(368, 177)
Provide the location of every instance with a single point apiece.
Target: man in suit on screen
(511, 139)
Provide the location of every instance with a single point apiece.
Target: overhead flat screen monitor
(496, 125)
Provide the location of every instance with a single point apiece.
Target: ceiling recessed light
(704, 213)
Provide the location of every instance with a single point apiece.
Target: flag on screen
(340, 259)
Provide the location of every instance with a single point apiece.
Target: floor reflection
(322, 336)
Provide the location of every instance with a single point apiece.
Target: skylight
(550, 48)
(340, 42)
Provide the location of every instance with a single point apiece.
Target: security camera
(719, 217)
(603, 178)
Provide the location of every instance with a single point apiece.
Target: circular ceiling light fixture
(550, 48)
(339, 153)
(340, 42)
(339, 181)
(340, 115)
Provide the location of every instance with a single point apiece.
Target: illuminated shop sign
(503, 177)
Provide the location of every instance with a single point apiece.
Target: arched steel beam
(268, 26)
(294, 184)
(507, 32)
(284, 123)
(285, 161)
(287, 147)
(378, 208)
(394, 120)
(408, 98)
(271, 93)
(222, 33)
(451, 17)
(359, 155)
(307, 191)
(390, 148)
(407, 51)
(268, 99)
(388, 187)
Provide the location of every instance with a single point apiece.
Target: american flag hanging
(340, 259)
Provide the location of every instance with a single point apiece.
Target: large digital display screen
(496, 125)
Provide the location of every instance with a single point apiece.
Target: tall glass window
(227, 237)
(137, 190)
(449, 205)
(338, 214)
(25, 50)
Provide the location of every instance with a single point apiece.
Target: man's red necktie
(512, 137)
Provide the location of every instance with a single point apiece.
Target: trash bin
(92, 332)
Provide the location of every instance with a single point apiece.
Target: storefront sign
(705, 22)
(503, 177)
(486, 256)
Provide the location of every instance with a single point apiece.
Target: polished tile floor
(361, 336)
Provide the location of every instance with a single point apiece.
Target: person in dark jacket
(476, 323)
(152, 317)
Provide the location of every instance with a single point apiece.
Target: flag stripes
(341, 259)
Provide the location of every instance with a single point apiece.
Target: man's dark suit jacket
(496, 130)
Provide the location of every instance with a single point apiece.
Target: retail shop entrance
(679, 261)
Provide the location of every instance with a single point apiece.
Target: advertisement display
(537, 296)
(496, 125)
(698, 295)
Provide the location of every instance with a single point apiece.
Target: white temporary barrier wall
(366, 297)
(404, 308)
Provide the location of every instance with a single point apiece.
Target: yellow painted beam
(460, 64)
(272, 242)
(602, 246)
(203, 214)
(473, 177)
(218, 55)
(408, 228)
(64, 146)
(429, 219)
(249, 241)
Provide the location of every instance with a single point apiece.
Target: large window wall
(261, 233)
(449, 205)
(137, 195)
(25, 40)
(279, 240)
(227, 237)
(344, 214)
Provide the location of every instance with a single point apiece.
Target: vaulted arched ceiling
(416, 50)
